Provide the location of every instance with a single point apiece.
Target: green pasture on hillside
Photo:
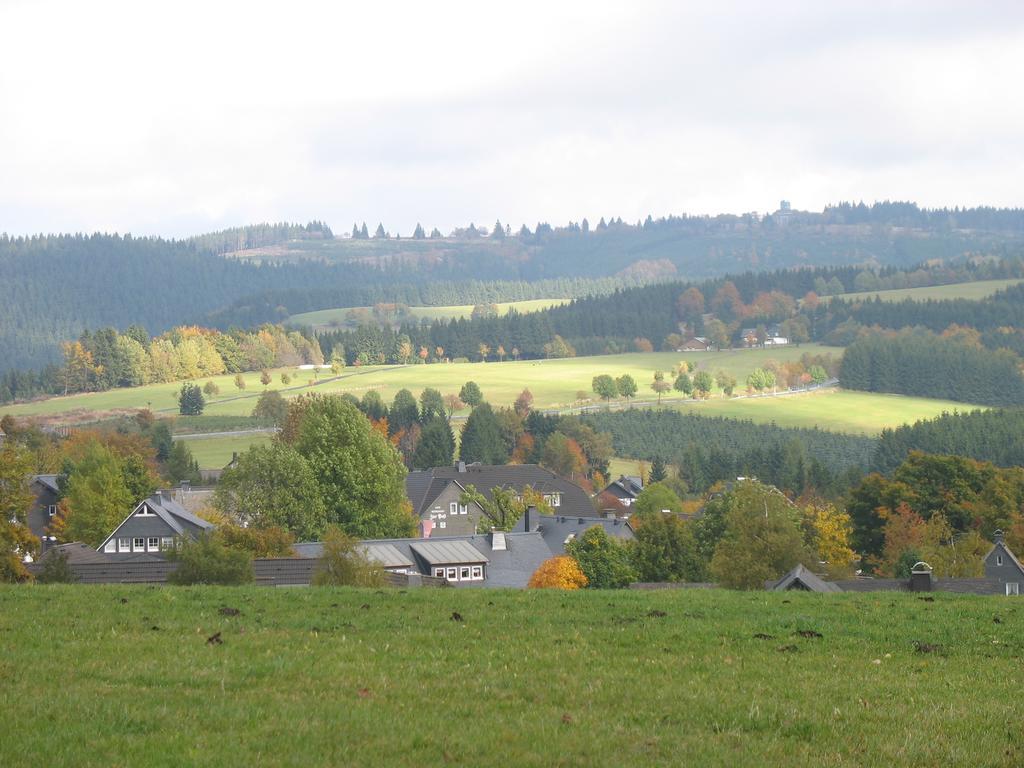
(979, 289)
(836, 410)
(554, 384)
(207, 676)
(215, 452)
(337, 317)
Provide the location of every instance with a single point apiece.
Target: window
(453, 574)
(110, 546)
(144, 511)
(124, 545)
(478, 572)
(999, 559)
(453, 508)
(1012, 588)
(463, 509)
(439, 573)
(442, 524)
(51, 510)
(138, 544)
(464, 573)
(167, 542)
(153, 544)
(556, 500)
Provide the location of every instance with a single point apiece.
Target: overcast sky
(176, 118)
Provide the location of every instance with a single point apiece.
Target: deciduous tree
(561, 572)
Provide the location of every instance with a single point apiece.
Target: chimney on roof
(921, 578)
(426, 526)
(531, 523)
(159, 496)
(998, 536)
(462, 467)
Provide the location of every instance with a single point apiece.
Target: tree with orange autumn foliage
(562, 572)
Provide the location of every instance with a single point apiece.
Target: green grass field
(125, 675)
(327, 317)
(554, 384)
(837, 410)
(215, 452)
(980, 289)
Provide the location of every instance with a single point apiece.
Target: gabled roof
(47, 481)
(628, 484)
(800, 577)
(450, 552)
(168, 510)
(556, 530)
(425, 486)
(387, 555)
(1000, 544)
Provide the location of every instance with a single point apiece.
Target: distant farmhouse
(436, 494)
(153, 527)
(695, 344)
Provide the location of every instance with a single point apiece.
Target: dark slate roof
(447, 552)
(801, 578)
(76, 552)
(555, 529)
(626, 484)
(425, 486)
(510, 567)
(959, 586)
(47, 481)
(173, 513)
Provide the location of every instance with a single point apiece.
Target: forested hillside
(54, 287)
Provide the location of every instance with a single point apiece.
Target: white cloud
(184, 117)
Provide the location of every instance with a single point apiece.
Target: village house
(44, 507)
(625, 490)
(1004, 575)
(152, 528)
(695, 344)
(436, 494)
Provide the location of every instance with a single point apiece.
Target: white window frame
(452, 574)
(463, 509)
(442, 524)
(110, 546)
(167, 543)
(465, 573)
(999, 559)
(453, 508)
(1012, 588)
(478, 573)
(144, 511)
(556, 500)
(439, 573)
(152, 543)
(51, 510)
(124, 544)
(138, 543)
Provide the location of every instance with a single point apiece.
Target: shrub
(56, 570)
(205, 560)
(257, 542)
(343, 563)
(560, 572)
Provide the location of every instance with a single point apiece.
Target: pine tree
(657, 470)
(481, 438)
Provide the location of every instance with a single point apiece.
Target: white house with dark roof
(153, 527)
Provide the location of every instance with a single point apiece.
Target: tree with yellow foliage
(830, 531)
(562, 572)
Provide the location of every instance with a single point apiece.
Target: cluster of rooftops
(449, 545)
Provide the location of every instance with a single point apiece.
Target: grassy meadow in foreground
(132, 675)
